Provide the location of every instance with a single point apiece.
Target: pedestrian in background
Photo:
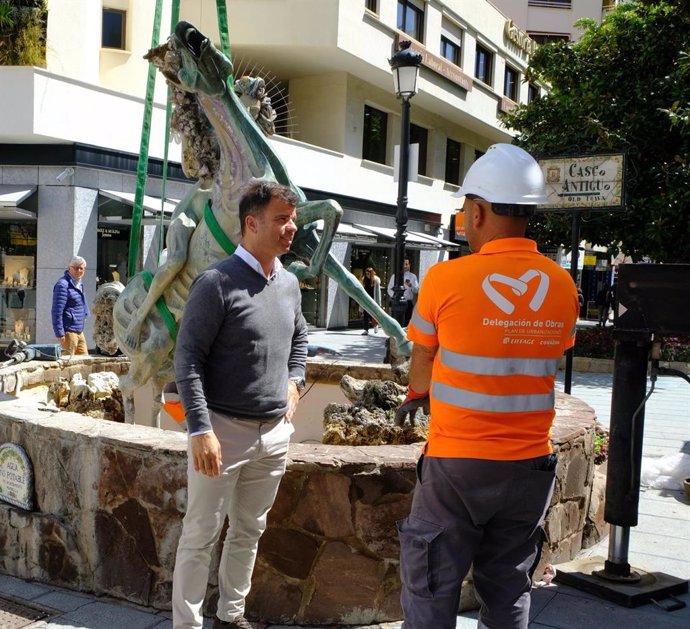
(372, 285)
(411, 285)
(489, 330)
(601, 301)
(611, 301)
(70, 309)
(240, 360)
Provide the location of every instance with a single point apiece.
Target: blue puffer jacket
(69, 306)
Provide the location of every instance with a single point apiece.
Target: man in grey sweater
(239, 362)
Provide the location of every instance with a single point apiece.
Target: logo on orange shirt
(519, 287)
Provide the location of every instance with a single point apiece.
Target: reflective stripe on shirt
(492, 403)
(485, 366)
(422, 324)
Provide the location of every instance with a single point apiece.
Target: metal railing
(551, 4)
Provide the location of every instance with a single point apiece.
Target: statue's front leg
(157, 383)
(331, 213)
(179, 234)
(127, 389)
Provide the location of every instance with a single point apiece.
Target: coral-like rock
(99, 396)
(103, 304)
(369, 420)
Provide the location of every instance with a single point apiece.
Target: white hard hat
(505, 174)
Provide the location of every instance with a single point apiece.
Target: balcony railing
(551, 4)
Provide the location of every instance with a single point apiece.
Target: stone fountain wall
(110, 500)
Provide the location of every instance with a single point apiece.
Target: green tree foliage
(23, 32)
(625, 86)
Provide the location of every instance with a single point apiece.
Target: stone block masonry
(110, 500)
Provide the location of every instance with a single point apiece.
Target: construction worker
(489, 330)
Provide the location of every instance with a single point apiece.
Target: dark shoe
(238, 623)
(365, 332)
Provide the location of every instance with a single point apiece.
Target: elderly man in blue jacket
(70, 308)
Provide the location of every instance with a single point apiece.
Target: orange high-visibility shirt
(502, 319)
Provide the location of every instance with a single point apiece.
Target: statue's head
(191, 62)
(254, 87)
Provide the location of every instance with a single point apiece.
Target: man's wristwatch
(299, 382)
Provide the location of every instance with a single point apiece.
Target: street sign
(588, 182)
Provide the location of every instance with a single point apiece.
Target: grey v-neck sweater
(241, 337)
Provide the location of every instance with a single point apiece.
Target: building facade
(554, 20)
(70, 133)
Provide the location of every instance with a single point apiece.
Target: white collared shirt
(410, 291)
(255, 264)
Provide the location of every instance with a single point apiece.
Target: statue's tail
(103, 308)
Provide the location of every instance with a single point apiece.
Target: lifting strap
(161, 306)
(223, 30)
(142, 165)
(147, 276)
(217, 231)
(174, 19)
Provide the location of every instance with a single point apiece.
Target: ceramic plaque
(16, 477)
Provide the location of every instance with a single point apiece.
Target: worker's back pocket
(419, 555)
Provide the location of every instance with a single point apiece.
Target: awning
(388, 233)
(151, 204)
(12, 196)
(346, 231)
(446, 244)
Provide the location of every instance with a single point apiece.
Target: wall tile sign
(16, 477)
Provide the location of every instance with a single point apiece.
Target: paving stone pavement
(660, 542)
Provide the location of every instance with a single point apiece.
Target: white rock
(79, 389)
(103, 383)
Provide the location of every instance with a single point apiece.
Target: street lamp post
(405, 65)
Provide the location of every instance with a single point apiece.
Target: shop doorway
(380, 259)
(113, 247)
(311, 299)
(17, 271)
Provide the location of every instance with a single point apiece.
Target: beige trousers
(254, 455)
(74, 343)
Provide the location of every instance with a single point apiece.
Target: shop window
(363, 257)
(419, 135)
(375, 135)
(113, 29)
(532, 93)
(483, 67)
(453, 150)
(549, 38)
(381, 259)
(18, 299)
(112, 251)
(510, 83)
(311, 293)
(450, 50)
(411, 18)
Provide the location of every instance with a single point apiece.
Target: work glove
(408, 408)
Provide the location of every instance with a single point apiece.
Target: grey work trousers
(480, 513)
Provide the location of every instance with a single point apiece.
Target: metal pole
(399, 305)
(619, 543)
(574, 250)
(625, 445)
